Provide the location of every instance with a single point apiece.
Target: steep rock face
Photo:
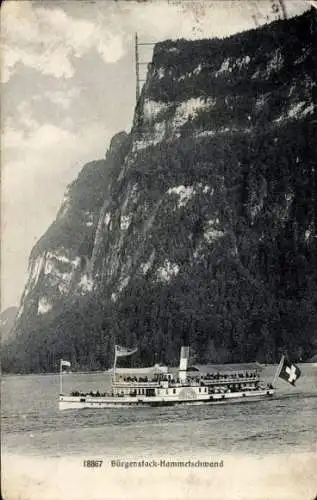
(219, 194)
(62, 262)
(7, 319)
(208, 233)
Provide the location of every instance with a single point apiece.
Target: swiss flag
(289, 372)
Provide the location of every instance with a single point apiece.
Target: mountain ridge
(206, 231)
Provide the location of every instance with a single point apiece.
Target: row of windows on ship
(208, 376)
(153, 392)
(202, 390)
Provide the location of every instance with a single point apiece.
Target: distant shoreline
(53, 373)
(106, 372)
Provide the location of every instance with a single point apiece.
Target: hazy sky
(69, 86)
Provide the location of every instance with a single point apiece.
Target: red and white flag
(289, 372)
(65, 363)
(124, 351)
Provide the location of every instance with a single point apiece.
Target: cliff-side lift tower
(139, 64)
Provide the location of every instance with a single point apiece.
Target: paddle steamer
(164, 388)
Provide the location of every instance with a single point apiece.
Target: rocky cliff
(7, 320)
(63, 262)
(198, 227)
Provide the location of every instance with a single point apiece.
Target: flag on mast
(65, 363)
(124, 351)
(289, 372)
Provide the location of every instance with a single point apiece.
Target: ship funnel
(183, 363)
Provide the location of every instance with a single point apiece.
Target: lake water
(41, 438)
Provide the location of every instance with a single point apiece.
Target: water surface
(33, 425)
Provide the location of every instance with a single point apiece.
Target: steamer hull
(77, 402)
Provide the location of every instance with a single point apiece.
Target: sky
(68, 85)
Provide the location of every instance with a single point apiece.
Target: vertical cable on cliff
(137, 69)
